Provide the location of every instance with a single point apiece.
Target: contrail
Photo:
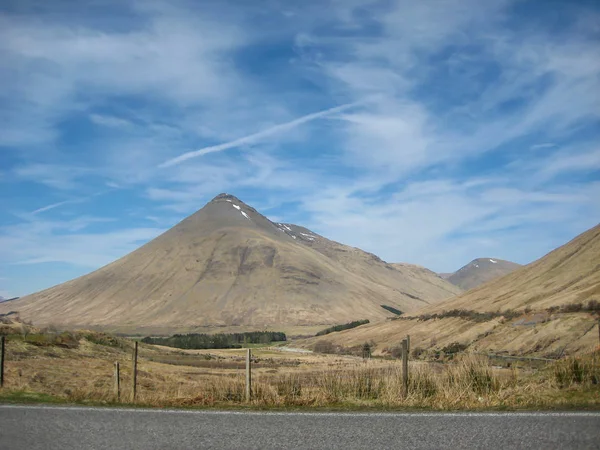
(52, 206)
(257, 136)
(75, 200)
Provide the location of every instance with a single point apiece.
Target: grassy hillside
(542, 309)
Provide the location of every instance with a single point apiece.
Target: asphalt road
(48, 427)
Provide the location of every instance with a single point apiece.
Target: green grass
(7, 396)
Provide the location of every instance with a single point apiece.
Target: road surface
(51, 427)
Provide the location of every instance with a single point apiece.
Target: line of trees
(345, 326)
(392, 310)
(221, 340)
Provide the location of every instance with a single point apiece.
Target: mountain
(570, 273)
(228, 265)
(413, 281)
(544, 308)
(428, 276)
(480, 271)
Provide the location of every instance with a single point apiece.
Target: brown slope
(569, 274)
(412, 282)
(480, 271)
(226, 265)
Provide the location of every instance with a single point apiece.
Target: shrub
(396, 352)
(102, 339)
(455, 347)
(417, 352)
(593, 305)
(465, 314)
(65, 339)
(571, 307)
(324, 347)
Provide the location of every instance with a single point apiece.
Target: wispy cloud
(41, 241)
(109, 121)
(542, 146)
(63, 177)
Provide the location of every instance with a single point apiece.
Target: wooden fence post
(248, 375)
(405, 366)
(117, 381)
(134, 371)
(2, 353)
(408, 343)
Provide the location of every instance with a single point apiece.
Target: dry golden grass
(85, 374)
(548, 337)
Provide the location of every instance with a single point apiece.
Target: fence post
(408, 343)
(117, 381)
(2, 353)
(405, 367)
(248, 375)
(134, 371)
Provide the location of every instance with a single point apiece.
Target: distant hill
(228, 265)
(480, 271)
(540, 309)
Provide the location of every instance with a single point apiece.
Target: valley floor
(79, 368)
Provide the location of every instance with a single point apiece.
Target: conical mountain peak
(226, 211)
(227, 264)
(226, 197)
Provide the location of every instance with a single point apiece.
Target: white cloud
(41, 241)
(542, 146)
(443, 224)
(561, 163)
(63, 177)
(109, 121)
(47, 64)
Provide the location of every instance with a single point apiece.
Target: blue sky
(427, 132)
